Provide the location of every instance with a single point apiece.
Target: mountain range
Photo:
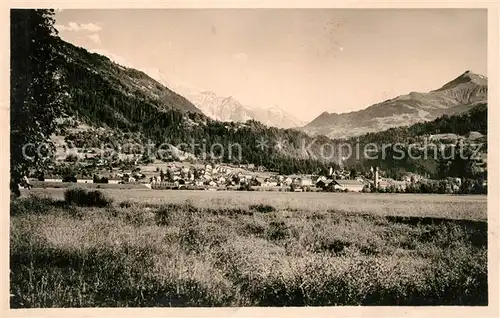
(454, 97)
(222, 108)
(227, 108)
(125, 103)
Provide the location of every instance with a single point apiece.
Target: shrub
(263, 208)
(41, 176)
(166, 213)
(254, 229)
(245, 187)
(32, 204)
(104, 180)
(71, 158)
(98, 198)
(69, 179)
(277, 231)
(74, 195)
(126, 204)
(82, 197)
(100, 180)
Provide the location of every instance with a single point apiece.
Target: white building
(349, 185)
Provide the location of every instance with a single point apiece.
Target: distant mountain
(226, 108)
(456, 96)
(124, 103)
(230, 109)
(213, 105)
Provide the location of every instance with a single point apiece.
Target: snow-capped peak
(215, 106)
(176, 84)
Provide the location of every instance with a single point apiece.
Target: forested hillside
(105, 94)
(431, 148)
(474, 120)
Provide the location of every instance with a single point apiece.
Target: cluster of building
(343, 181)
(236, 177)
(220, 176)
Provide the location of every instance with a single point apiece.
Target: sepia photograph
(248, 157)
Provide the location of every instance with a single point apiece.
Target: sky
(306, 61)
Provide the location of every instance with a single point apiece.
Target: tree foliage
(36, 99)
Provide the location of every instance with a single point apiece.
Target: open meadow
(472, 207)
(217, 248)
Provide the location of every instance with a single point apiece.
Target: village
(180, 172)
(249, 177)
(215, 177)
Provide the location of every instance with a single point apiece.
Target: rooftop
(349, 182)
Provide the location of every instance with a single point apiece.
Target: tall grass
(135, 254)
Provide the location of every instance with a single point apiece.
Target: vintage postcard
(257, 160)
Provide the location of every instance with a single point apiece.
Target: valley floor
(185, 248)
(473, 207)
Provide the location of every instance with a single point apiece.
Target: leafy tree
(353, 174)
(72, 158)
(169, 175)
(35, 90)
(196, 173)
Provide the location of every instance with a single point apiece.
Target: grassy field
(472, 207)
(187, 248)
